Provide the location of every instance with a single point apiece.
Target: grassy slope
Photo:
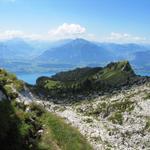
(115, 73)
(62, 136)
(18, 129)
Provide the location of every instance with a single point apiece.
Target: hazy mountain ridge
(78, 52)
(141, 57)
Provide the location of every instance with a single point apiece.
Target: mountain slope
(113, 120)
(17, 48)
(84, 81)
(119, 120)
(77, 51)
(5, 52)
(76, 75)
(142, 58)
(29, 126)
(124, 51)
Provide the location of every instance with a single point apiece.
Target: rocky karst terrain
(113, 121)
(113, 115)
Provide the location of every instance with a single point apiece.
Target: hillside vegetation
(86, 80)
(30, 126)
(114, 102)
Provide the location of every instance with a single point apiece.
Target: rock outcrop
(2, 96)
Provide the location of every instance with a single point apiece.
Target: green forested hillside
(85, 80)
(78, 74)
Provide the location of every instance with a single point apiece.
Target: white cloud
(61, 32)
(67, 31)
(8, 34)
(125, 37)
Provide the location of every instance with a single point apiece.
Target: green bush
(38, 109)
(24, 129)
(116, 118)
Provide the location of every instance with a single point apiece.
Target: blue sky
(101, 20)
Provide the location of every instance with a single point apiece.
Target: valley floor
(119, 121)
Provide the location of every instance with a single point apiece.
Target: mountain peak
(80, 41)
(122, 65)
(77, 51)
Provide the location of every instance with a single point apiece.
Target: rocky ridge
(112, 121)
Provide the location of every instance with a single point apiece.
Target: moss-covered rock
(9, 84)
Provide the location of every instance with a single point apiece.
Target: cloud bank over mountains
(125, 37)
(66, 31)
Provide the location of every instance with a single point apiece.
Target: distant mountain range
(142, 59)
(15, 49)
(124, 51)
(18, 48)
(78, 52)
